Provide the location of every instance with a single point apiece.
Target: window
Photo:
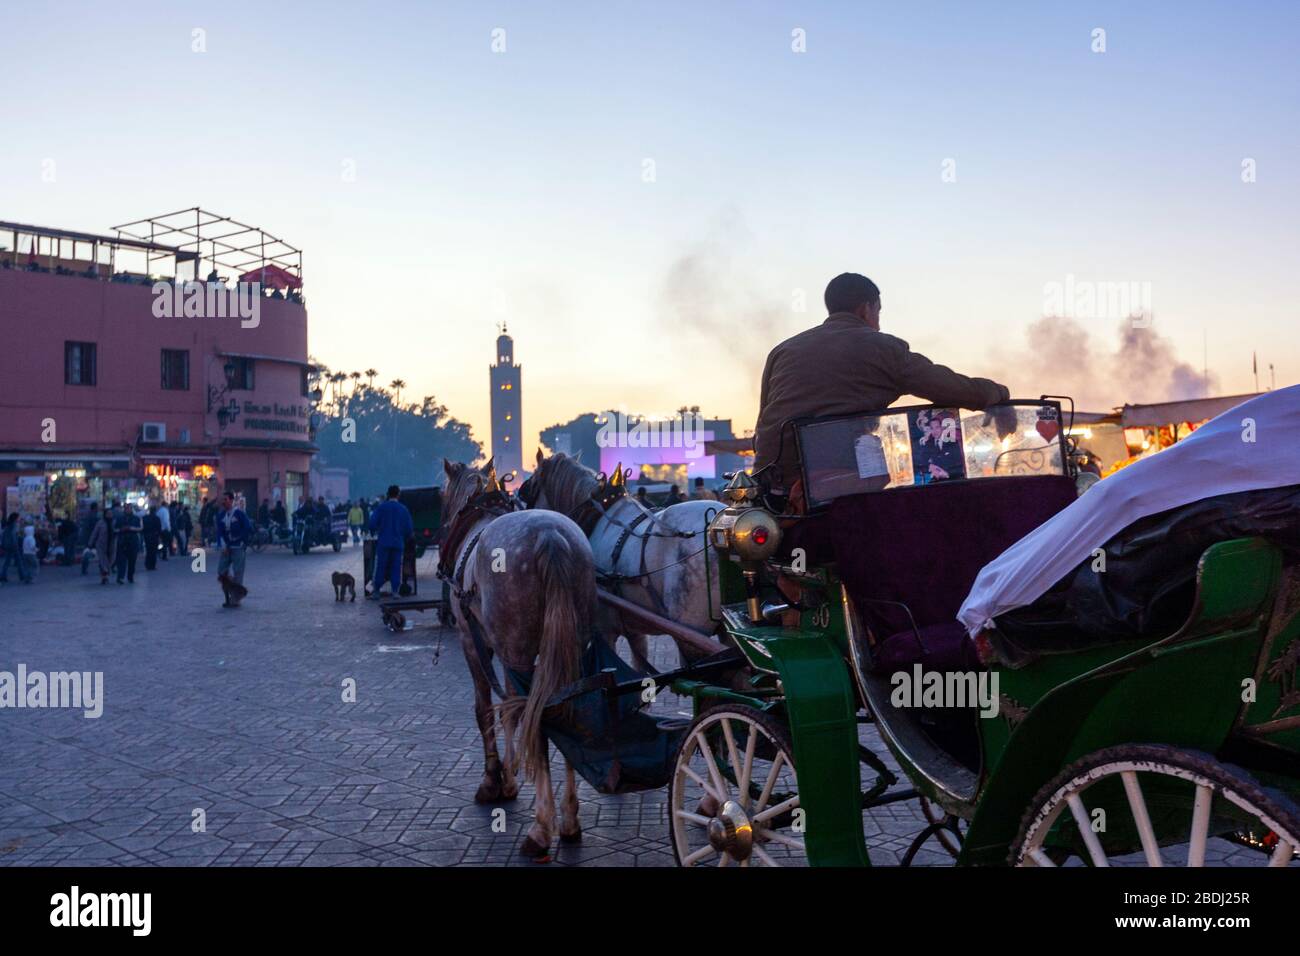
(241, 377)
(79, 363)
(176, 369)
(305, 381)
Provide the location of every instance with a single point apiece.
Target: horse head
(464, 483)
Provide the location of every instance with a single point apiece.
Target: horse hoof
(510, 791)
(487, 793)
(571, 838)
(535, 851)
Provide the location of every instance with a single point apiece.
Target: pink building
(117, 383)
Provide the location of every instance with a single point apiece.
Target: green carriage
(1176, 746)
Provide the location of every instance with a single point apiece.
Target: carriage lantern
(747, 533)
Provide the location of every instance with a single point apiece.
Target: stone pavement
(239, 713)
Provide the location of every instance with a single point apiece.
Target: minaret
(507, 400)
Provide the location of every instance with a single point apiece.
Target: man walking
(12, 549)
(355, 519)
(127, 535)
(392, 524)
(165, 531)
(101, 544)
(152, 529)
(87, 533)
(233, 529)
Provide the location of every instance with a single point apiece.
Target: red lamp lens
(760, 536)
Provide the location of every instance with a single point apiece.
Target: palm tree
(397, 385)
(370, 374)
(335, 380)
(356, 378)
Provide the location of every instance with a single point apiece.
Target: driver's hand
(1004, 416)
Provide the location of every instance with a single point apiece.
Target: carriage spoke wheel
(1150, 805)
(734, 796)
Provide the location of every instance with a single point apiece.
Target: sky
(651, 195)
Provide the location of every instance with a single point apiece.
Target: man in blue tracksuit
(391, 524)
(233, 531)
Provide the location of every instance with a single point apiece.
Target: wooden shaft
(687, 635)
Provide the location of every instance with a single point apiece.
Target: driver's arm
(917, 375)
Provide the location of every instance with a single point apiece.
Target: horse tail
(558, 654)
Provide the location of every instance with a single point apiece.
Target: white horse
(526, 582)
(655, 559)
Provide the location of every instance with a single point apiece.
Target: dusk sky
(647, 193)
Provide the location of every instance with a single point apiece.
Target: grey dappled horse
(529, 582)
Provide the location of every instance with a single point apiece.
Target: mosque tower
(507, 401)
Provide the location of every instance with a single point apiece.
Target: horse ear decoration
(617, 478)
(447, 467)
(492, 483)
(540, 457)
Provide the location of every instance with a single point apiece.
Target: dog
(343, 583)
(233, 592)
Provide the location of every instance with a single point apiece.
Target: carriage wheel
(1165, 807)
(734, 797)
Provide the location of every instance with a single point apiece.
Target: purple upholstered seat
(918, 550)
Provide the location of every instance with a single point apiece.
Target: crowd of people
(113, 538)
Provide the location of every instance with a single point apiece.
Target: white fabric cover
(1216, 459)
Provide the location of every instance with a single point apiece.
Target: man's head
(228, 500)
(850, 292)
(394, 491)
(699, 482)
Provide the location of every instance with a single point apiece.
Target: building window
(304, 382)
(176, 369)
(79, 363)
(241, 376)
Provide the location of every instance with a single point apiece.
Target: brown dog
(343, 583)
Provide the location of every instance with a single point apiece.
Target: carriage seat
(908, 557)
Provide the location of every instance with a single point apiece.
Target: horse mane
(567, 482)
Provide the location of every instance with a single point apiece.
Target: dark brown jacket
(844, 366)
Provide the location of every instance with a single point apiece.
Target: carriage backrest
(923, 546)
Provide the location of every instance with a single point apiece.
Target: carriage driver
(847, 365)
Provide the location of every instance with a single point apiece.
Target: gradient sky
(510, 185)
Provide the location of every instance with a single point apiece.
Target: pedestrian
(205, 522)
(674, 496)
(264, 514)
(88, 532)
(279, 516)
(233, 529)
(356, 519)
(12, 547)
(151, 528)
(127, 543)
(392, 523)
(701, 493)
(101, 545)
(66, 530)
(641, 497)
(165, 532)
(184, 528)
(30, 559)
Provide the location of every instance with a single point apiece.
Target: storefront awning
(1173, 413)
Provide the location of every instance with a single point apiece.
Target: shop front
(178, 477)
(44, 491)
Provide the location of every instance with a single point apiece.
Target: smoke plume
(1060, 356)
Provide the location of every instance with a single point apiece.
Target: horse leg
(570, 828)
(537, 844)
(509, 782)
(489, 789)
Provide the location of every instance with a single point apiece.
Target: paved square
(239, 714)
